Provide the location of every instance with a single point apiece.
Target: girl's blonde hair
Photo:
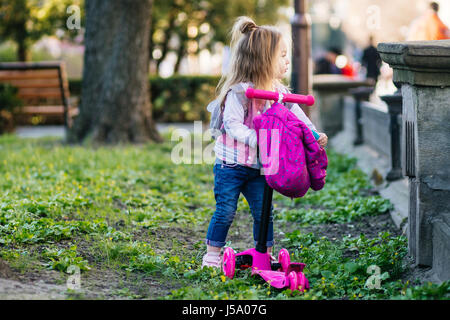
(253, 56)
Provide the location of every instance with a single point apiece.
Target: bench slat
(39, 93)
(48, 110)
(28, 74)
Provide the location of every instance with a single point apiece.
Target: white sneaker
(212, 259)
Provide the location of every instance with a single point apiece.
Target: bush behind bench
(175, 99)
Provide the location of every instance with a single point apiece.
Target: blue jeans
(229, 181)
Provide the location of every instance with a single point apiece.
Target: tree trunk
(181, 52)
(115, 100)
(21, 39)
(23, 53)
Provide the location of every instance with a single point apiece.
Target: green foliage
(26, 21)
(124, 208)
(8, 102)
(208, 283)
(386, 252)
(8, 97)
(428, 291)
(8, 51)
(352, 211)
(61, 259)
(182, 98)
(172, 18)
(54, 193)
(344, 182)
(340, 269)
(343, 199)
(331, 272)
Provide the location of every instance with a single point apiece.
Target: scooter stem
(265, 217)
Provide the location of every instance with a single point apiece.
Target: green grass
(131, 210)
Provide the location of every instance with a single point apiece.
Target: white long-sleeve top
(233, 120)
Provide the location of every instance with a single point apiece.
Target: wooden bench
(43, 88)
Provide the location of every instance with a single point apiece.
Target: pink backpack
(292, 159)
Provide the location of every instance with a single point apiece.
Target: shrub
(175, 99)
(182, 98)
(8, 101)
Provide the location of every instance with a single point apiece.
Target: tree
(115, 98)
(27, 21)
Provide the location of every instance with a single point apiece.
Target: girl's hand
(323, 139)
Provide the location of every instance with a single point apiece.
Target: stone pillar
(359, 94)
(422, 68)
(394, 103)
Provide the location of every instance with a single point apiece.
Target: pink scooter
(284, 273)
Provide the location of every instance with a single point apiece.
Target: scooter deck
(276, 279)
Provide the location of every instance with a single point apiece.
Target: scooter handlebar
(286, 97)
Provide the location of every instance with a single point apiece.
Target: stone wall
(330, 91)
(422, 69)
(375, 125)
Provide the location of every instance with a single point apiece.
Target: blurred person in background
(327, 64)
(371, 61)
(429, 26)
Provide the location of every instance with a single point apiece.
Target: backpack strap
(239, 90)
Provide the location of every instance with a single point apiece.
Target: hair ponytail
(252, 56)
(242, 26)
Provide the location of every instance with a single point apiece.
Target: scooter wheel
(284, 259)
(293, 280)
(229, 262)
(303, 283)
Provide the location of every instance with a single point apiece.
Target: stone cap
(336, 82)
(423, 63)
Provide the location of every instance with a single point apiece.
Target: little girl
(258, 59)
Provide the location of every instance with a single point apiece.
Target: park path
(16, 290)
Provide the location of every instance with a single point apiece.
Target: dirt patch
(370, 226)
(120, 284)
(106, 281)
(164, 239)
(103, 281)
(16, 290)
(97, 283)
(416, 274)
